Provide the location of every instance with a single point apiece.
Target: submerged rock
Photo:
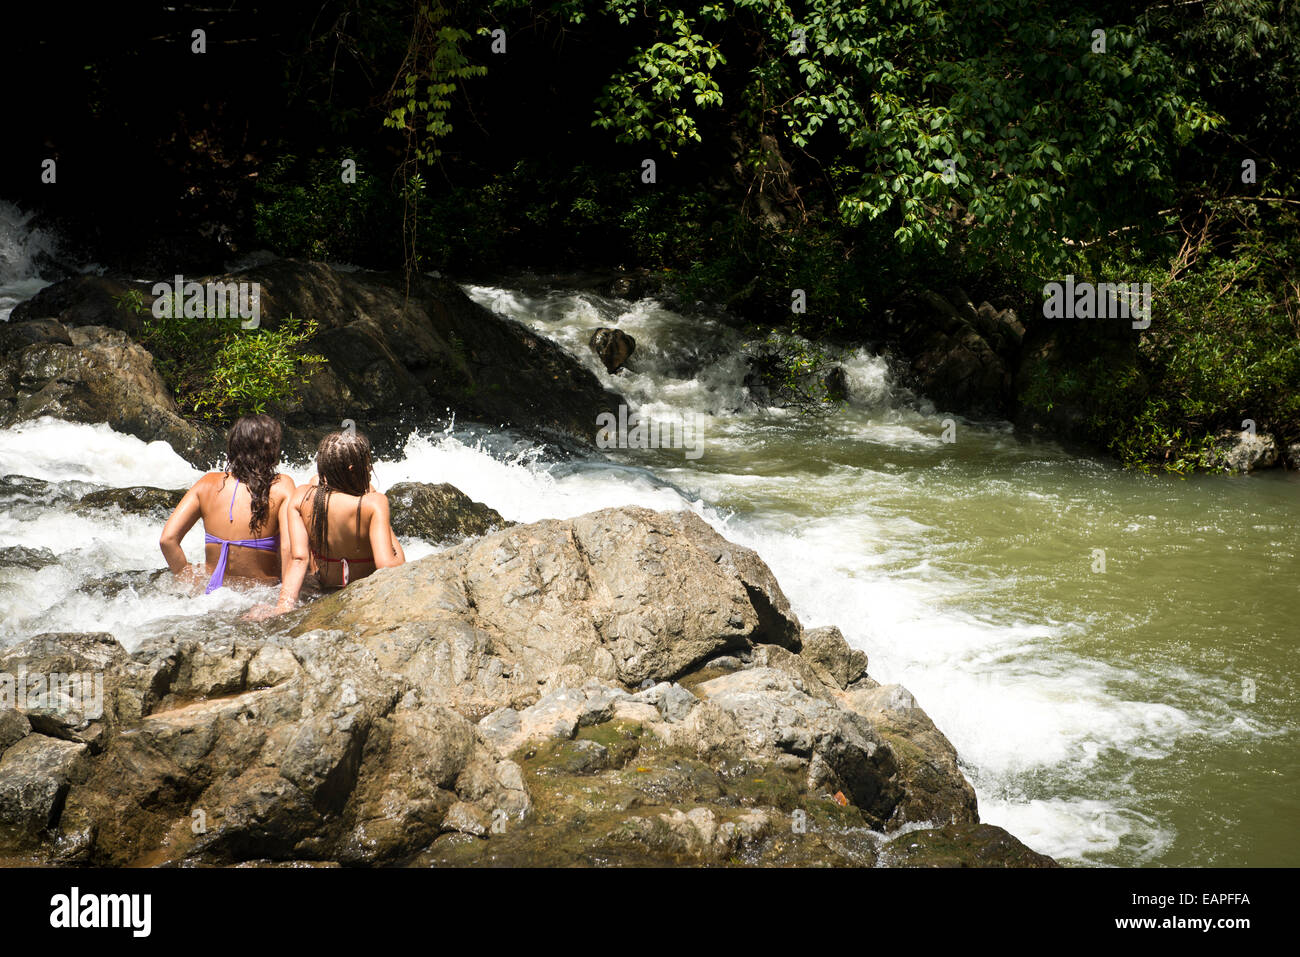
(21, 556)
(623, 687)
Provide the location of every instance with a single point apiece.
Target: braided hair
(343, 463)
(253, 451)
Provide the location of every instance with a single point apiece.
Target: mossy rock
(615, 795)
(961, 845)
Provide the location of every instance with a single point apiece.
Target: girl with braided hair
(344, 518)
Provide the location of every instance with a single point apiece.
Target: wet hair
(253, 450)
(343, 464)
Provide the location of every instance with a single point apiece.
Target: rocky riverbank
(393, 356)
(623, 687)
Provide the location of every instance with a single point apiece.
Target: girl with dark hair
(345, 520)
(246, 525)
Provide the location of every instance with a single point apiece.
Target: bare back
(224, 505)
(355, 526)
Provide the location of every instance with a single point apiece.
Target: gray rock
(827, 647)
(35, 774)
(488, 690)
(439, 513)
(934, 789)
(99, 375)
(467, 819)
(14, 726)
(1243, 452)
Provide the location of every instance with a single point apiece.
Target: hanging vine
(418, 105)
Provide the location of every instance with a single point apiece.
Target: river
(1137, 707)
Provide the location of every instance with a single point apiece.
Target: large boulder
(624, 687)
(94, 374)
(391, 350)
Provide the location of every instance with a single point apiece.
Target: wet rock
(467, 819)
(99, 375)
(613, 347)
(934, 789)
(439, 513)
(390, 351)
(15, 336)
(114, 583)
(20, 556)
(836, 384)
(138, 500)
(956, 359)
(14, 726)
(961, 845)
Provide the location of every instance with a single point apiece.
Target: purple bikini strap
(231, 516)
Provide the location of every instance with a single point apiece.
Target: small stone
(465, 818)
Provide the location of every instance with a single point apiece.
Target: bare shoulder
(284, 486)
(208, 483)
(375, 502)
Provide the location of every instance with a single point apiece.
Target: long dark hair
(253, 448)
(343, 464)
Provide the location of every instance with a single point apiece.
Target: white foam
(54, 450)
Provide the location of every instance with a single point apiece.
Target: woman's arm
(284, 485)
(383, 545)
(294, 531)
(182, 519)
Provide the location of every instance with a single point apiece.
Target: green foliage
(304, 208)
(253, 372)
(219, 370)
(131, 301)
(1046, 137)
(1223, 346)
(654, 100)
(857, 148)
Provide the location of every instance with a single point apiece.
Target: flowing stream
(1142, 715)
